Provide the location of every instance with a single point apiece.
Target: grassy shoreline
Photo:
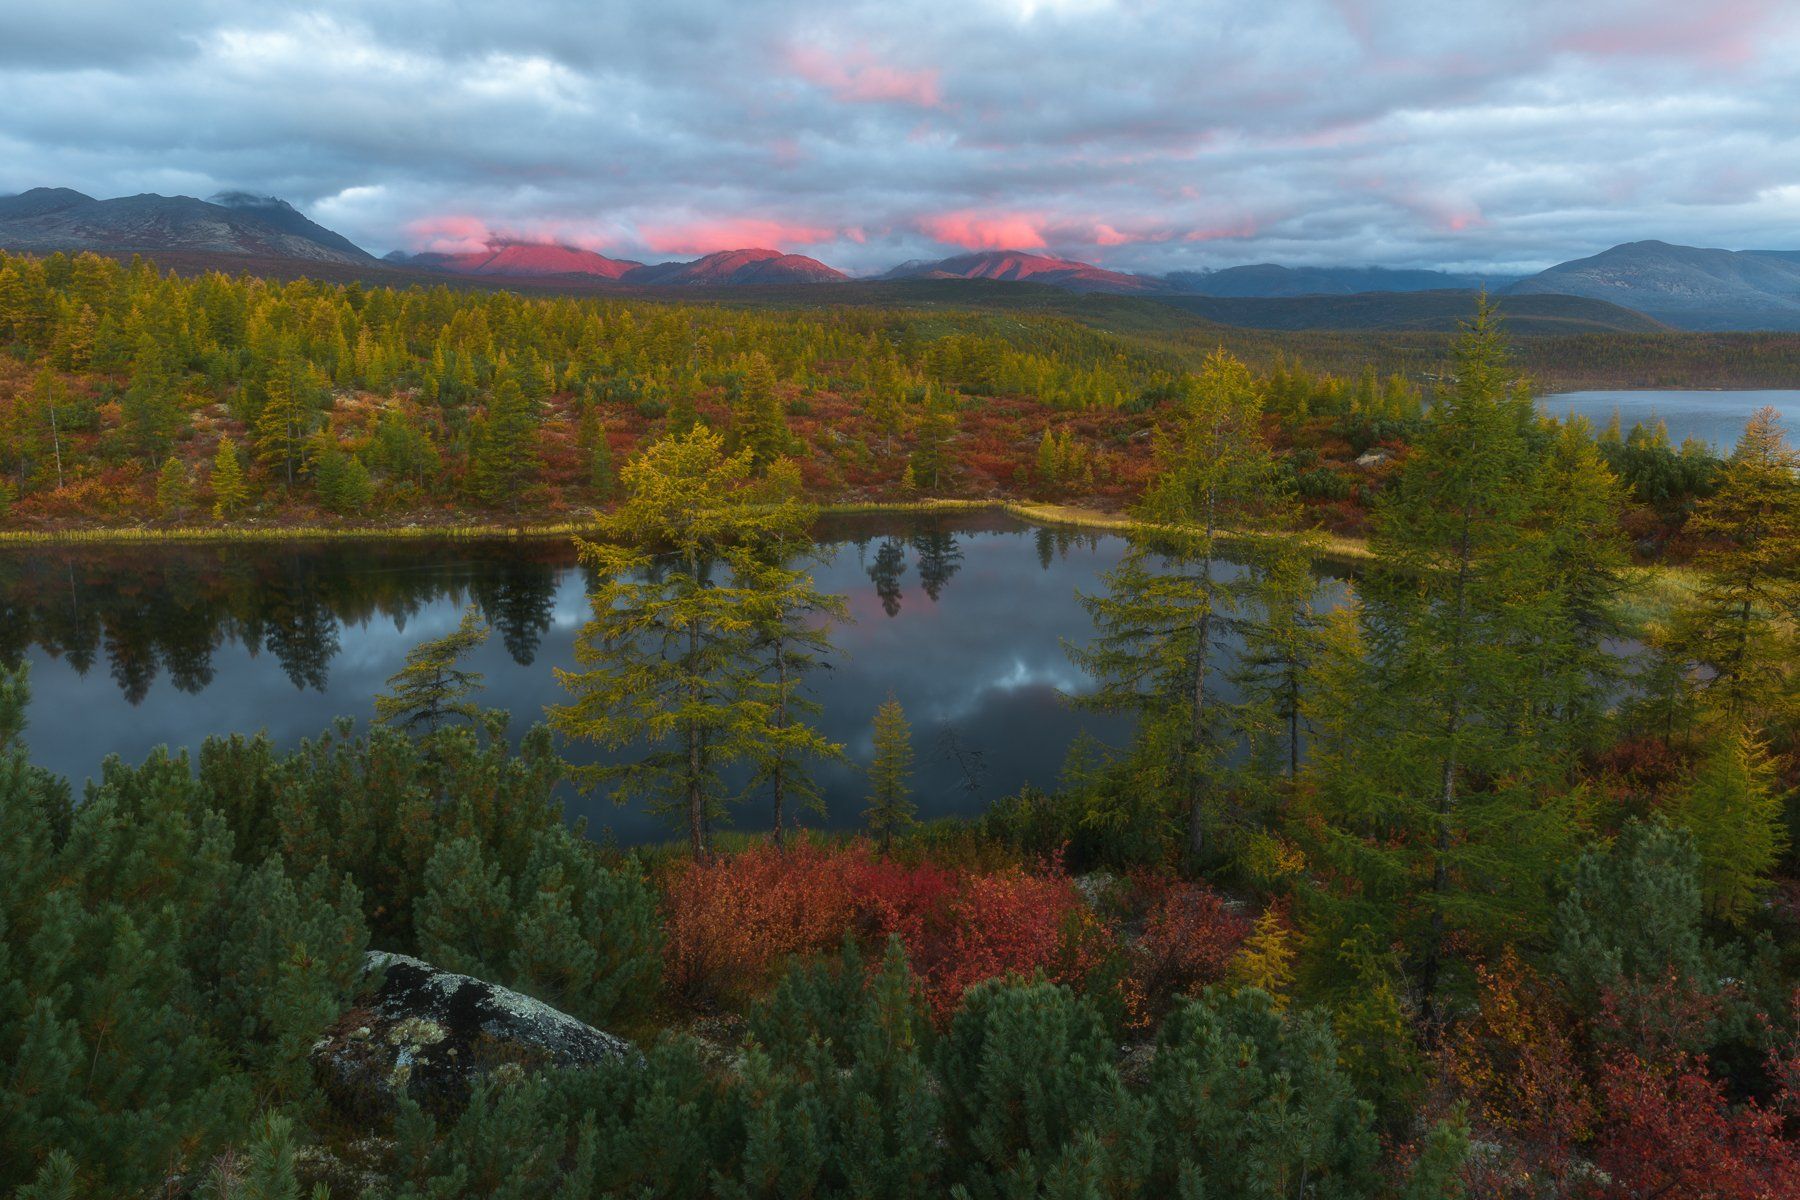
(478, 531)
(1651, 592)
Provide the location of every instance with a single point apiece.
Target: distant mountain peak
(45, 219)
(1025, 266)
(733, 268)
(1691, 287)
(521, 259)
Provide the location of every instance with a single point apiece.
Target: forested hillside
(207, 400)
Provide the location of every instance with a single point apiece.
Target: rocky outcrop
(432, 1034)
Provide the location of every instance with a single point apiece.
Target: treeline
(238, 397)
(1578, 362)
(127, 395)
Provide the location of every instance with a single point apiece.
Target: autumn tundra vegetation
(1479, 884)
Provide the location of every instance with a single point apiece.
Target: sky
(1149, 135)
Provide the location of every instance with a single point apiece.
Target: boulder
(432, 1034)
(1373, 458)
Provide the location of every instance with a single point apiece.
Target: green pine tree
(342, 482)
(761, 426)
(503, 457)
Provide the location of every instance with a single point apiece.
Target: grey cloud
(1147, 134)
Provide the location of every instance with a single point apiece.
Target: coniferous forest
(1482, 883)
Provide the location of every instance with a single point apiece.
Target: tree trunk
(696, 802)
(1202, 655)
(780, 724)
(56, 444)
(1440, 875)
(1197, 737)
(1293, 682)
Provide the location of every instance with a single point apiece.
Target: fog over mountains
(1683, 287)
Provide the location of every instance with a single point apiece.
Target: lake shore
(1651, 591)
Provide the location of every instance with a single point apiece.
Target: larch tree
(289, 412)
(1740, 626)
(1438, 810)
(890, 809)
(1172, 603)
(666, 661)
(434, 686)
(930, 461)
(228, 489)
(151, 406)
(791, 635)
(503, 455)
(1733, 811)
(760, 425)
(174, 490)
(51, 396)
(1579, 502)
(1281, 645)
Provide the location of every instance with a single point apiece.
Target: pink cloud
(986, 231)
(786, 152)
(732, 233)
(1723, 33)
(451, 234)
(858, 77)
(1215, 233)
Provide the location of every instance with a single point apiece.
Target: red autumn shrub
(1670, 1133)
(1188, 941)
(1668, 1129)
(910, 900)
(730, 922)
(1009, 922)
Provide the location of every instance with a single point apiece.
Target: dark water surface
(962, 619)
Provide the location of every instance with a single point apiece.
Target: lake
(1716, 418)
(962, 619)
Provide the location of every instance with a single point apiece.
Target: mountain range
(1638, 285)
(1686, 286)
(540, 260)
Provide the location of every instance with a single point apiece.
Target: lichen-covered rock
(432, 1033)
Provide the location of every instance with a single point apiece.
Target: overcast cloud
(1144, 134)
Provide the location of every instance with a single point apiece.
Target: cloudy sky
(1144, 134)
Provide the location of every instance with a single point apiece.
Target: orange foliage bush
(730, 922)
(1517, 1061)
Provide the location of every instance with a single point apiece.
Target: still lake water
(1716, 418)
(962, 619)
